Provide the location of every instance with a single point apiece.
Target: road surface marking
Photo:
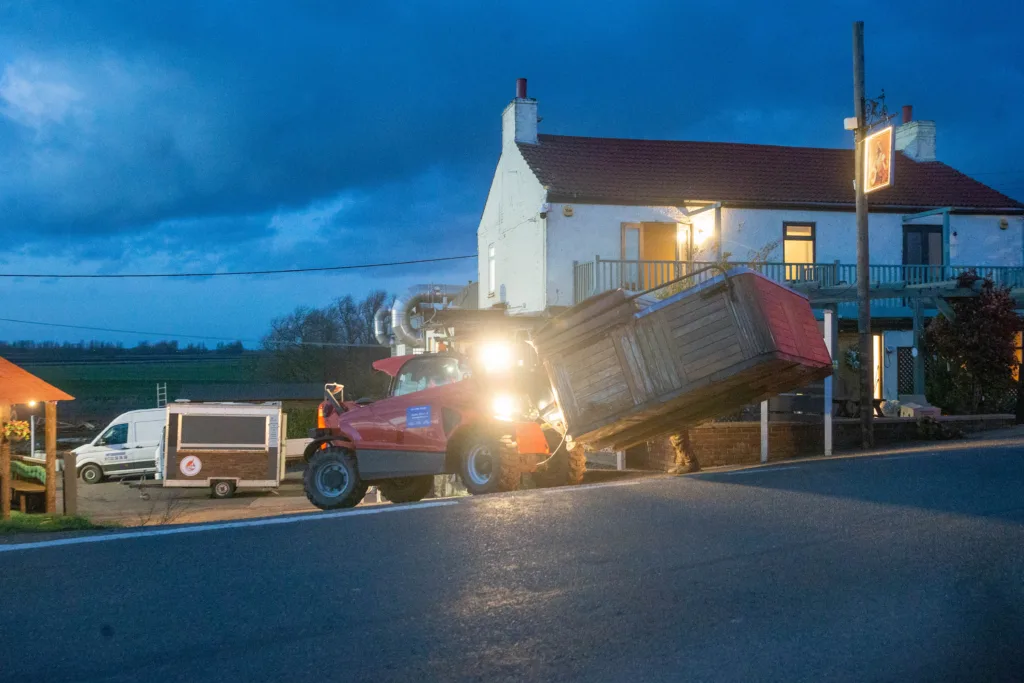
(598, 485)
(904, 457)
(759, 470)
(197, 528)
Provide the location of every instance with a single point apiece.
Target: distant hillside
(105, 387)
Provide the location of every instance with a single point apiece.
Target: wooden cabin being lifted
(629, 368)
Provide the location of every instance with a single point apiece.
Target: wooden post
(5, 465)
(764, 431)
(51, 457)
(867, 425)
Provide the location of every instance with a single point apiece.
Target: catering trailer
(223, 446)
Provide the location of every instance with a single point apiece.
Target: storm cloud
(219, 135)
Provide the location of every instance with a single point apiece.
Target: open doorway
(653, 252)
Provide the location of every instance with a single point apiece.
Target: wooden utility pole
(867, 431)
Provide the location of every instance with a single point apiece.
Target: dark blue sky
(208, 134)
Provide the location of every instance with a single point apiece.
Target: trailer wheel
(407, 489)
(331, 480)
(222, 489)
(488, 465)
(566, 468)
(91, 474)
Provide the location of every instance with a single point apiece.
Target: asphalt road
(905, 568)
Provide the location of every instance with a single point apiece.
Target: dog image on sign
(417, 416)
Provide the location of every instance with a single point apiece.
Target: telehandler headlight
(496, 357)
(505, 407)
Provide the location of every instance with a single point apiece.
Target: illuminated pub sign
(878, 150)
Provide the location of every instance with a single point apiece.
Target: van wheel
(222, 489)
(91, 474)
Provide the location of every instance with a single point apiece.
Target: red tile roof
(669, 172)
(21, 386)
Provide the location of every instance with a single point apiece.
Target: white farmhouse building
(567, 217)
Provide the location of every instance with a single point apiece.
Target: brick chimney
(916, 139)
(519, 120)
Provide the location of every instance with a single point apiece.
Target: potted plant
(16, 430)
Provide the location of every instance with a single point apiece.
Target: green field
(102, 389)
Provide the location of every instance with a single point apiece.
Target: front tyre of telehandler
(565, 468)
(487, 465)
(407, 489)
(331, 480)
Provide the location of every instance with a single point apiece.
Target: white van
(127, 447)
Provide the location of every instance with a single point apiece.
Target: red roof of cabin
(391, 365)
(21, 386)
(669, 172)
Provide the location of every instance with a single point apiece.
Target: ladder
(161, 395)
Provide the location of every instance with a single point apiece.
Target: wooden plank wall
(622, 380)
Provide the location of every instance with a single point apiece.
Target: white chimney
(519, 120)
(916, 139)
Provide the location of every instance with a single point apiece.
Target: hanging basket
(16, 430)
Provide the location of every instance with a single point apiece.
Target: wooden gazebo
(20, 387)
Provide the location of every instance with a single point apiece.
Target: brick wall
(739, 443)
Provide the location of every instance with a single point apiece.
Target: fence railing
(602, 275)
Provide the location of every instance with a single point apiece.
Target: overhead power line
(181, 336)
(283, 271)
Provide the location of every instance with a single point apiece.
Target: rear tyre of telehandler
(407, 489)
(331, 480)
(487, 465)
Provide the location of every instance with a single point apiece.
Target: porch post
(718, 234)
(597, 267)
(5, 465)
(831, 343)
(51, 457)
(919, 358)
(945, 245)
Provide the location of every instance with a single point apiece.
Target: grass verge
(33, 524)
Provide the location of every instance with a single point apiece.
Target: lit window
(798, 249)
(491, 271)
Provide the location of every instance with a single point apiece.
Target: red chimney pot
(520, 88)
(908, 113)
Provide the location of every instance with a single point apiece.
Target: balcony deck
(601, 275)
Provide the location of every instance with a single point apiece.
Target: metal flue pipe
(401, 311)
(380, 321)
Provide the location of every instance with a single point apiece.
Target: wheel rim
(480, 465)
(90, 475)
(223, 488)
(332, 480)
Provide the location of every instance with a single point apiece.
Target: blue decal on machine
(417, 416)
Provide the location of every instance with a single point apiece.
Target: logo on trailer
(190, 465)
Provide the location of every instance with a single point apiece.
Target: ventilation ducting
(401, 311)
(380, 322)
